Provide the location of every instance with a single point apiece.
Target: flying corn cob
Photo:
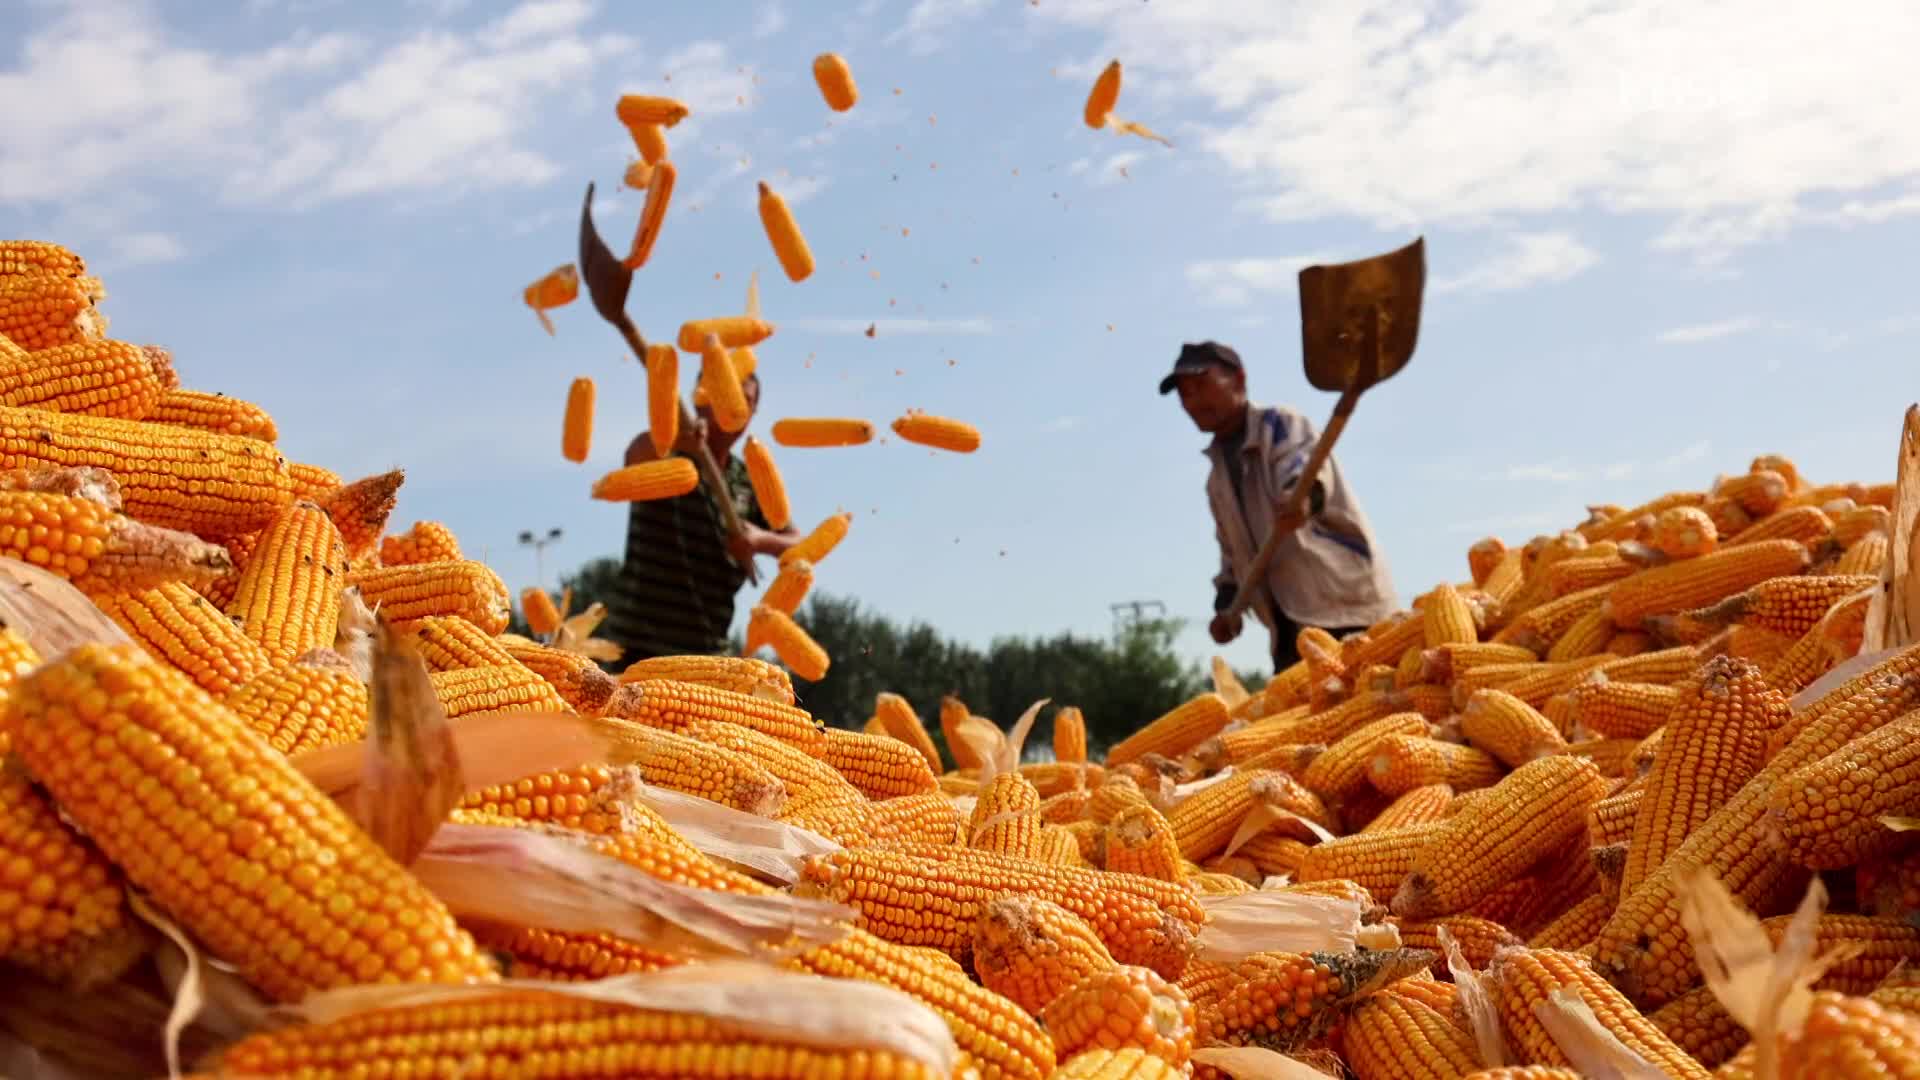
(734, 332)
(835, 80)
(638, 175)
(795, 647)
(281, 931)
(790, 586)
(537, 607)
(653, 212)
(576, 431)
(558, 288)
(768, 489)
(821, 431)
(214, 412)
(635, 109)
(725, 395)
(789, 245)
(939, 432)
(663, 398)
(669, 478)
(651, 141)
(817, 544)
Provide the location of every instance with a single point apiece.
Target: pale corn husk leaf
(1891, 620)
(575, 633)
(1596, 1053)
(1130, 127)
(985, 740)
(1263, 817)
(1842, 672)
(1016, 739)
(773, 848)
(1228, 685)
(1476, 1003)
(1900, 824)
(998, 819)
(353, 636)
(50, 612)
(413, 776)
(1187, 790)
(1378, 937)
(834, 1014)
(188, 996)
(1255, 1063)
(1261, 921)
(550, 878)
(494, 748)
(965, 804)
(1276, 881)
(753, 294)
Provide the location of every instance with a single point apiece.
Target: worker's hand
(743, 544)
(692, 438)
(1224, 627)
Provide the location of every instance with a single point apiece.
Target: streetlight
(539, 546)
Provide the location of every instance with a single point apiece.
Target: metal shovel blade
(1359, 321)
(607, 278)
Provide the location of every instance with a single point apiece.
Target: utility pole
(1129, 614)
(539, 545)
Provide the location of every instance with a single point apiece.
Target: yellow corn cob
(1850, 526)
(816, 793)
(214, 485)
(1610, 821)
(1504, 583)
(1341, 771)
(1621, 709)
(1103, 97)
(1527, 976)
(796, 648)
(734, 331)
(1069, 735)
(1377, 861)
(565, 956)
(597, 801)
(1539, 626)
(1140, 841)
(1787, 605)
(1423, 804)
(1837, 637)
(1806, 524)
(1588, 635)
(880, 767)
(449, 643)
(835, 80)
(181, 627)
(95, 377)
(994, 1034)
(1112, 797)
(576, 678)
(1446, 619)
(768, 490)
(311, 481)
(681, 763)
(1288, 1001)
(1757, 646)
(1482, 556)
(675, 704)
(98, 550)
(24, 257)
(921, 895)
(1478, 938)
(360, 511)
(636, 109)
(1442, 664)
(42, 311)
(1401, 763)
(1700, 1025)
(1207, 820)
(1031, 951)
(1714, 741)
(214, 412)
(1581, 572)
(663, 398)
(1052, 778)
(1006, 817)
(538, 608)
(1508, 728)
(1122, 1008)
(1525, 1072)
(281, 931)
(1529, 814)
(789, 244)
(576, 430)
(288, 597)
(1759, 492)
(1629, 643)
(1173, 732)
(720, 381)
(306, 704)
(790, 586)
(821, 431)
(1643, 946)
(403, 594)
(496, 688)
(915, 819)
(1828, 813)
(653, 212)
(817, 544)
(1576, 927)
(939, 432)
(516, 1032)
(668, 478)
(737, 674)
(1705, 580)
(898, 721)
(1684, 532)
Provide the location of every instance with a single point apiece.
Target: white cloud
(1234, 282)
(141, 248)
(928, 20)
(1555, 471)
(309, 119)
(1618, 471)
(1400, 113)
(882, 327)
(1508, 523)
(772, 20)
(1114, 169)
(1529, 259)
(798, 189)
(1711, 331)
(1690, 454)
(1061, 423)
(706, 77)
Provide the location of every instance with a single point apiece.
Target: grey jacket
(1330, 572)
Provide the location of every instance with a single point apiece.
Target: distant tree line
(1120, 682)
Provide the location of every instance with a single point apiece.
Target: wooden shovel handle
(1293, 514)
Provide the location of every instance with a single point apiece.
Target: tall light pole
(539, 546)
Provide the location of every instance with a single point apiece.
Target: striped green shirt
(675, 595)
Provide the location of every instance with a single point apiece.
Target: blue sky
(1661, 239)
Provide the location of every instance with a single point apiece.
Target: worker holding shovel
(1328, 572)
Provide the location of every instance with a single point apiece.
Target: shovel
(607, 283)
(1359, 322)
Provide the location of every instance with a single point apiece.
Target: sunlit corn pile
(266, 750)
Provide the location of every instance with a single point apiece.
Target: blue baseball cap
(1197, 358)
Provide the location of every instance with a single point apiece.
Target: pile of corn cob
(1509, 794)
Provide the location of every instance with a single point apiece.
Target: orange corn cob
(96, 377)
(796, 648)
(305, 704)
(1803, 523)
(565, 956)
(1527, 976)
(288, 598)
(789, 244)
(768, 490)
(1123, 1008)
(721, 382)
(1588, 635)
(653, 212)
(1706, 580)
(681, 763)
(668, 478)
(737, 674)
(636, 109)
(835, 80)
(880, 767)
(42, 311)
(1341, 771)
(1789, 605)
(1288, 1001)
(1416, 807)
(1069, 735)
(181, 627)
(214, 412)
(1447, 619)
(817, 544)
(1575, 927)
(403, 594)
(1140, 841)
(283, 931)
(663, 398)
(902, 723)
(914, 819)
(496, 688)
(1401, 763)
(576, 678)
(538, 608)
(1759, 492)
(675, 705)
(1850, 526)
(1828, 813)
(1378, 861)
(576, 429)
(448, 643)
(1508, 728)
(311, 481)
(734, 331)
(1173, 732)
(821, 431)
(1478, 938)
(1713, 743)
(24, 257)
(360, 511)
(1529, 814)
(939, 432)
(1610, 821)
(1031, 951)
(1006, 817)
(1621, 709)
